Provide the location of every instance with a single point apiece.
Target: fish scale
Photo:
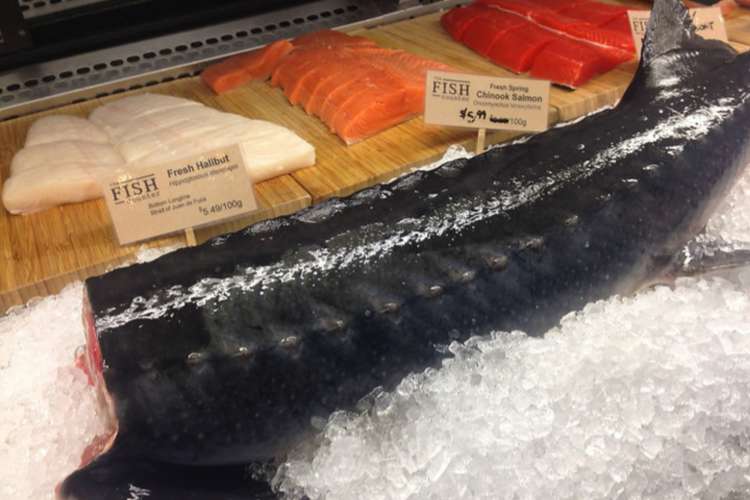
(276, 327)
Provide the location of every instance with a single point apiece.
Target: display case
(273, 296)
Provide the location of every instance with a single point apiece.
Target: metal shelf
(37, 8)
(135, 65)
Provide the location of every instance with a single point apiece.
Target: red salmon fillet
(603, 36)
(523, 7)
(584, 30)
(613, 57)
(457, 20)
(242, 68)
(558, 5)
(517, 48)
(621, 25)
(572, 63)
(585, 36)
(482, 33)
(557, 21)
(596, 13)
(527, 7)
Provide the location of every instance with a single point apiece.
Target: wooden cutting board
(41, 253)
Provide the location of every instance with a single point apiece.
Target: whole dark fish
(221, 356)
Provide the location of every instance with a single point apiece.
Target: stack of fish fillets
(65, 158)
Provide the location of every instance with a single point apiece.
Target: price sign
(483, 102)
(195, 191)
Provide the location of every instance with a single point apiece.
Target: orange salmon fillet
(355, 87)
(296, 64)
(242, 68)
(331, 72)
(259, 64)
(401, 77)
(372, 85)
(348, 89)
(300, 91)
(331, 38)
(342, 74)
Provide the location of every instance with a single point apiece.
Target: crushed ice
(728, 230)
(620, 402)
(731, 221)
(48, 412)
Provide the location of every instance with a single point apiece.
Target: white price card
(486, 102)
(195, 191)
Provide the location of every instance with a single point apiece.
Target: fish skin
(230, 349)
(113, 479)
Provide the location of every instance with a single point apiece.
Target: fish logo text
(124, 191)
(450, 88)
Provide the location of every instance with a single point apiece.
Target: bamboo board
(41, 253)
(738, 26)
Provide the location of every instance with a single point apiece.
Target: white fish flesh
(47, 175)
(57, 128)
(161, 130)
(129, 111)
(61, 163)
(65, 156)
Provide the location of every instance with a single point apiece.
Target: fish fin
(673, 52)
(669, 28)
(121, 478)
(706, 255)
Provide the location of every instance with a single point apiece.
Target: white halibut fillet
(64, 156)
(61, 162)
(58, 128)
